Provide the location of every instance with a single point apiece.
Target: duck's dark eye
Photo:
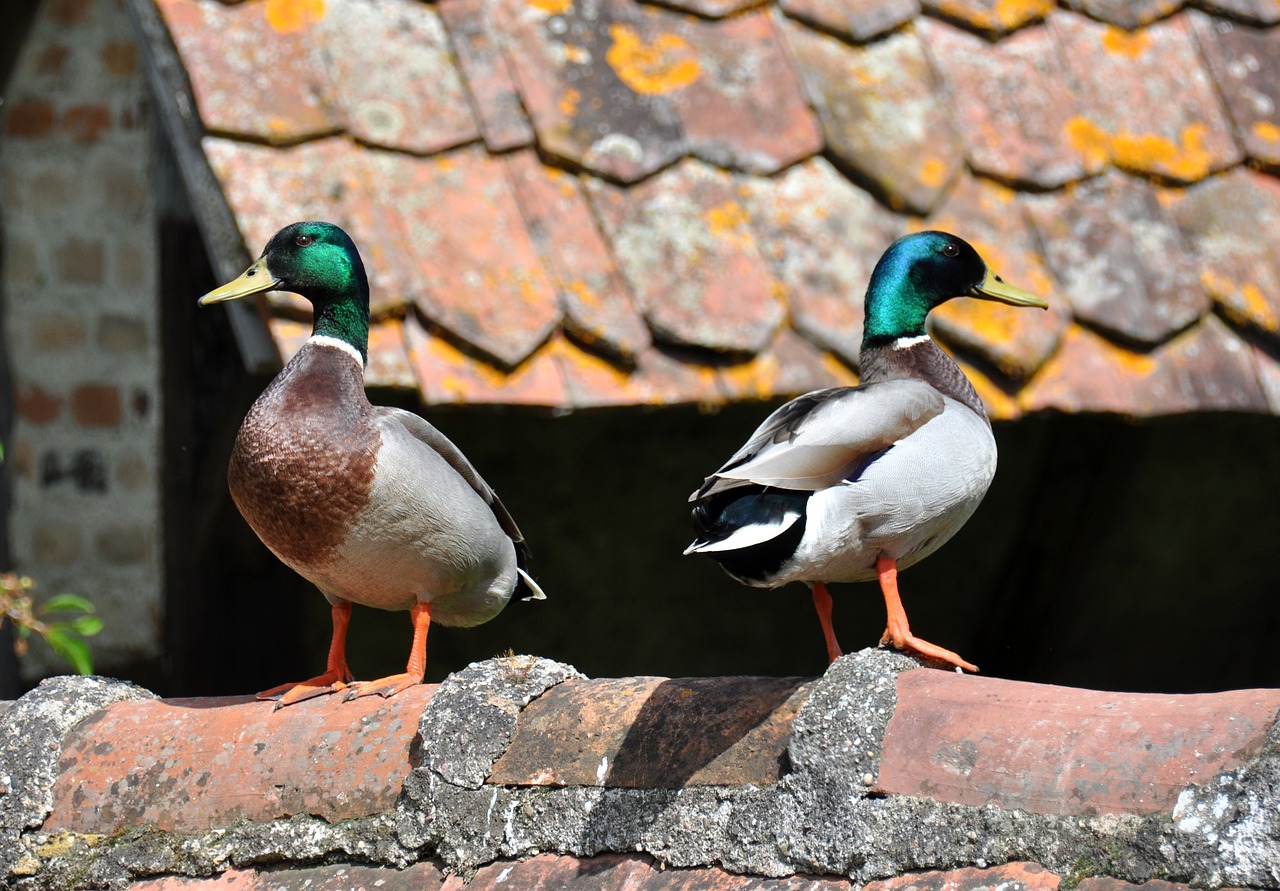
(951, 250)
(302, 240)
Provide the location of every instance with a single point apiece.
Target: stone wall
(80, 293)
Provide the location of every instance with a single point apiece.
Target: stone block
(55, 544)
(97, 405)
(56, 332)
(133, 470)
(122, 334)
(80, 261)
(125, 545)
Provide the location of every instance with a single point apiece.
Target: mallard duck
(851, 484)
(373, 505)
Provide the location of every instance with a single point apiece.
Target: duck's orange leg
(336, 675)
(420, 615)
(897, 632)
(822, 603)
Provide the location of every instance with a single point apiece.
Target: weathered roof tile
(474, 269)
(598, 307)
(991, 16)
(1245, 62)
(624, 89)
(684, 243)
(712, 9)
(1119, 258)
(393, 77)
(656, 378)
(789, 367)
(1219, 217)
(1146, 101)
(881, 114)
(253, 67)
(1129, 14)
(857, 21)
(822, 237)
(1262, 12)
(493, 92)
(1022, 137)
(1016, 341)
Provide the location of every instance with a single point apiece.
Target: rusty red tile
(1245, 63)
(1006, 877)
(1021, 138)
(29, 119)
(1062, 750)
(998, 394)
(392, 75)
(991, 16)
(1206, 368)
(712, 9)
(654, 733)
(470, 265)
(684, 243)
(655, 378)
(497, 103)
(1147, 103)
(389, 362)
(789, 367)
(193, 765)
(632, 872)
(332, 877)
(881, 114)
(856, 21)
(1014, 340)
(598, 307)
(625, 89)
(1128, 14)
(1261, 12)
(1221, 218)
(254, 67)
(822, 236)
(1119, 258)
(449, 376)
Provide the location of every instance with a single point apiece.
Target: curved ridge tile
(822, 236)
(1245, 63)
(1231, 222)
(684, 243)
(598, 308)
(991, 16)
(857, 21)
(1020, 138)
(1015, 340)
(1148, 103)
(1119, 258)
(392, 75)
(474, 269)
(880, 113)
(253, 67)
(1128, 14)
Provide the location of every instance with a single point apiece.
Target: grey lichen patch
(31, 738)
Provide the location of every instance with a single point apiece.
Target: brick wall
(80, 292)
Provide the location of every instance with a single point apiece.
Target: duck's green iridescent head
(921, 271)
(318, 261)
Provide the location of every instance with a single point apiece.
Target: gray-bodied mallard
(852, 484)
(373, 505)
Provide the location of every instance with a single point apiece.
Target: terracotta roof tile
(476, 271)
(1203, 368)
(392, 75)
(1262, 12)
(1245, 62)
(711, 8)
(684, 243)
(822, 237)
(657, 378)
(1147, 102)
(1014, 340)
(999, 397)
(598, 307)
(1119, 258)
(624, 89)
(791, 366)
(1006, 876)
(389, 362)
(253, 67)
(488, 78)
(1126, 13)
(881, 114)
(1023, 137)
(1218, 217)
(857, 21)
(1268, 376)
(449, 376)
(991, 16)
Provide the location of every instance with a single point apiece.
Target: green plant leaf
(72, 649)
(86, 626)
(63, 603)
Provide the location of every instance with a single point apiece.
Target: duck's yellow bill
(253, 280)
(995, 288)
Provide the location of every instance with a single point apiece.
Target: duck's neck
(345, 319)
(919, 358)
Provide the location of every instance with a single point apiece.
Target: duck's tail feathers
(535, 592)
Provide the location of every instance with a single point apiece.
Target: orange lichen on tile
(446, 375)
(666, 63)
(1088, 140)
(1266, 130)
(568, 104)
(999, 404)
(1242, 303)
(1187, 159)
(1003, 15)
(288, 16)
(552, 7)
(1126, 43)
(933, 171)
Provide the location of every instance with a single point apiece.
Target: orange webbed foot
(321, 685)
(897, 632)
(384, 687)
